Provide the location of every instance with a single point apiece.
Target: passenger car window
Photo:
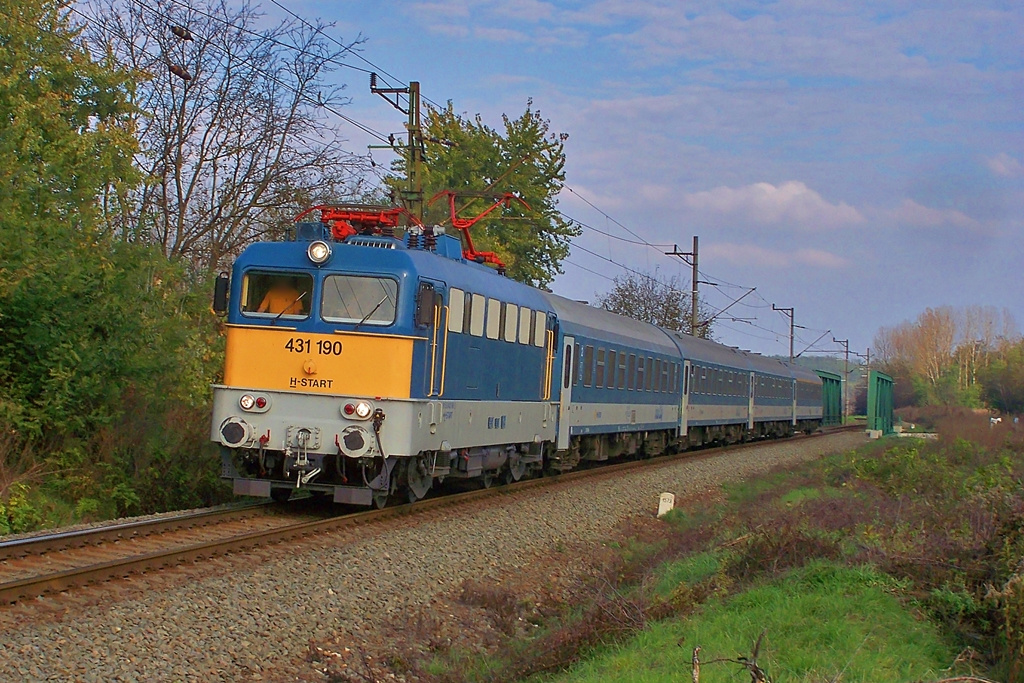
(269, 295)
(359, 299)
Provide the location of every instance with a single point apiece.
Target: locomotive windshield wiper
(285, 309)
(372, 311)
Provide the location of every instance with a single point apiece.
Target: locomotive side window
(599, 379)
(588, 365)
(476, 322)
(269, 295)
(361, 299)
(540, 328)
(456, 309)
(650, 372)
(612, 368)
(511, 319)
(656, 374)
(640, 373)
(525, 317)
(493, 318)
(631, 372)
(622, 370)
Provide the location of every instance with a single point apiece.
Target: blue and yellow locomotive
(369, 367)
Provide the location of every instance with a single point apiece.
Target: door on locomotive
(565, 395)
(433, 314)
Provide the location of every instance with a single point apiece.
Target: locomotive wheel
(280, 495)
(516, 469)
(487, 479)
(380, 499)
(418, 478)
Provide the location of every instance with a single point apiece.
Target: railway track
(57, 562)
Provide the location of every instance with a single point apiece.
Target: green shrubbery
(106, 348)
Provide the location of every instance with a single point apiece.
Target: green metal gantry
(831, 398)
(880, 402)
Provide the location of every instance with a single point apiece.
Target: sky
(858, 161)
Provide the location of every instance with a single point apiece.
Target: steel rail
(45, 543)
(114, 569)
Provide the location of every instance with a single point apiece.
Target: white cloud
(791, 202)
(918, 215)
(500, 35)
(745, 255)
(1003, 164)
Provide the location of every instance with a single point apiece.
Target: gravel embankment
(231, 619)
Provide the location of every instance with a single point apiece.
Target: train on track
(369, 367)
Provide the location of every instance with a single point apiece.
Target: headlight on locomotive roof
(318, 252)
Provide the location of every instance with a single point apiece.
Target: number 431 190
(325, 347)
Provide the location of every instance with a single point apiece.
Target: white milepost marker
(666, 503)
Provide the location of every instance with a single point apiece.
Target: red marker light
(261, 402)
(349, 409)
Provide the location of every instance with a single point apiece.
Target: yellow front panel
(345, 363)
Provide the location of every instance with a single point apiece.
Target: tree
(1003, 378)
(940, 357)
(105, 345)
(66, 132)
(647, 299)
(66, 138)
(465, 155)
(243, 144)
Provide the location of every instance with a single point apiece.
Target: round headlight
(363, 409)
(247, 402)
(318, 252)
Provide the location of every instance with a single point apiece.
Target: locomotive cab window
(269, 295)
(360, 299)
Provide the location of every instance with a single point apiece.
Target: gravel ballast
(232, 618)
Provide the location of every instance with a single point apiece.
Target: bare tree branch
(241, 147)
